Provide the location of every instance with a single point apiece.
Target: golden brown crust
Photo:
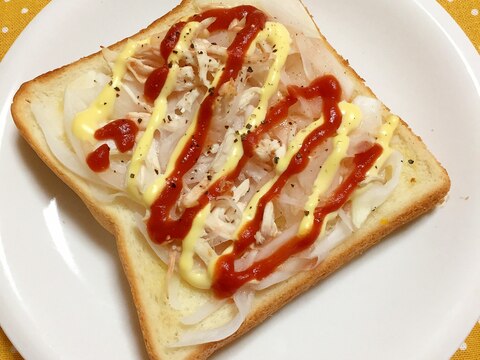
(270, 300)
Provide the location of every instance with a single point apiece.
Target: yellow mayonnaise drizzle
(278, 36)
(383, 139)
(86, 122)
(350, 120)
(280, 168)
(157, 186)
(158, 115)
(198, 279)
(385, 134)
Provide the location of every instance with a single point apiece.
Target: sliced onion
(160, 250)
(268, 249)
(243, 300)
(372, 195)
(49, 117)
(203, 311)
(322, 247)
(291, 267)
(318, 60)
(246, 260)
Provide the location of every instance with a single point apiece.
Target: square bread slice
(422, 177)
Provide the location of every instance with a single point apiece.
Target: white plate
(416, 295)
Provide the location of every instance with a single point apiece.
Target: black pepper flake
(243, 137)
(139, 120)
(110, 83)
(117, 95)
(275, 159)
(249, 69)
(290, 123)
(275, 50)
(236, 140)
(156, 171)
(200, 53)
(104, 103)
(209, 177)
(410, 161)
(192, 46)
(173, 185)
(132, 176)
(175, 51)
(214, 43)
(170, 64)
(116, 88)
(292, 185)
(226, 126)
(169, 118)
(248, 126)
(306, 212)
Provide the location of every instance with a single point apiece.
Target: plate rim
(452, 31)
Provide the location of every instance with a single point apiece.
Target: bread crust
(270, 300)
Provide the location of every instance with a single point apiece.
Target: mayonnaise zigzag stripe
(350, 121)
(383, 139)
(198, 279)
(277, 35)
(158, 114)
(86, 122)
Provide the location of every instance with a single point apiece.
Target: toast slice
(421, 176)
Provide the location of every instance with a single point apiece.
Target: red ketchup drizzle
(99, 159)
(123, 132)
(168, 228)
(154, 83)
(255, 21)
(223, 18)
(162, 228)
(226, 280)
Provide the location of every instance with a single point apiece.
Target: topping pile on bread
(235, 156)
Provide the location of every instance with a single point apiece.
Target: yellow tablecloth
(16, 14)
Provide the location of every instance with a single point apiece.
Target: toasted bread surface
(423, 179)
